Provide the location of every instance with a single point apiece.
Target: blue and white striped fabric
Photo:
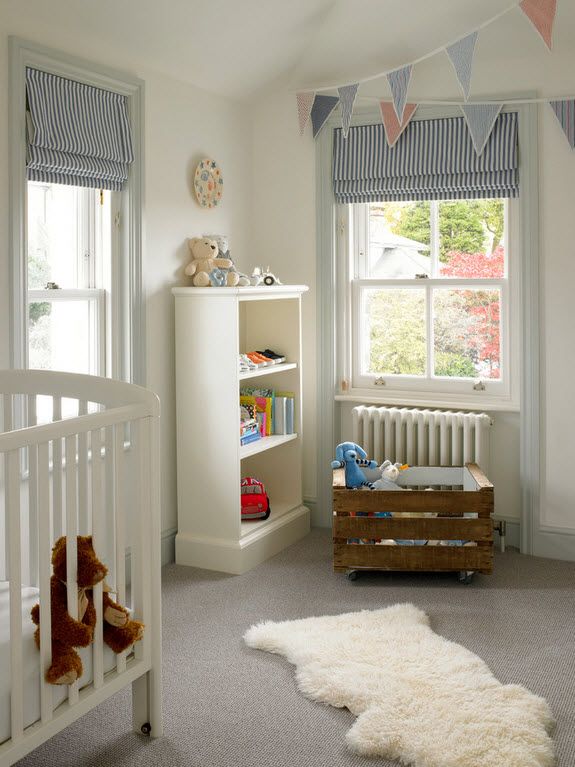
(565, 113)
(432, 160)
(77, 134)
(461, 56)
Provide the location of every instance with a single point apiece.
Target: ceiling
(240, 48)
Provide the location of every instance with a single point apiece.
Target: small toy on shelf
(261, 277)
(353, 457)
(224, 250)
(205, 260)
(255, 502)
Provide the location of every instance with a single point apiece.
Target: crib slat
(12, 479)
(57, 472)
(119, 510)
(108, 542)
(135, 523)
(44, 571)
(97, 540)
(32, 498)
(71, 544)
(84, 527)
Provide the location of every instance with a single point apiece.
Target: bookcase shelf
(269, 370)
(265, 443)
(212, 326)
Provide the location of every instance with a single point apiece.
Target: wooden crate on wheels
(439, 505)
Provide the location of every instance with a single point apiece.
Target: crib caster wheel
(146, 728)
(466, 576)
(353, 575)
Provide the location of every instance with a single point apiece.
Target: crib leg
(147, 705)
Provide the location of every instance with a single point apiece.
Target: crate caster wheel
(353, 575)
(146, 728)
(466, 576)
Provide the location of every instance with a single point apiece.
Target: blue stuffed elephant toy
(353, 457)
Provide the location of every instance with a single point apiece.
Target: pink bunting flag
(304, 105)
(541, 13)
(393, 128)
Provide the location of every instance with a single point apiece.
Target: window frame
(125, 311)
(358, 220)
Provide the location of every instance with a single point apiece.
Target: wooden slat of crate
(372, 557)
(449, 502)
(418, 528)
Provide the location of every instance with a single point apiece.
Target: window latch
(52, 286)
(422, 276)
(379, 381)
(479, 386)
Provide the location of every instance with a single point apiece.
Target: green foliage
(414, 222)
(38, 310)
(454, 365)
(397, 339)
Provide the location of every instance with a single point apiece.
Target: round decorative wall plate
(208, 183)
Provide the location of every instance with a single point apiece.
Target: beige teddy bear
(205, 264)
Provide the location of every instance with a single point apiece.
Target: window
(69, 267)
(429, 297)
(76, 298)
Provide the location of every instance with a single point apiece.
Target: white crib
(91, 468)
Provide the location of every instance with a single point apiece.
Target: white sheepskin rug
(418, 697)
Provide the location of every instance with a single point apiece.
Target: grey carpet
(228, 706)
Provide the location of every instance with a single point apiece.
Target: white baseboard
(169, 545)
(238, 557)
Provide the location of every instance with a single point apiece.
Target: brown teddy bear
(67, 633)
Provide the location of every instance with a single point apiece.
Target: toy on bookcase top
(353, 458)
(255, 503)
(224, 250)
(261, 277)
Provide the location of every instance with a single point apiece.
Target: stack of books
(249, 426)
(272, 411)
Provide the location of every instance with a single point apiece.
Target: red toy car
(254, 499)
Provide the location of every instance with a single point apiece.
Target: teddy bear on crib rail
(119, 631)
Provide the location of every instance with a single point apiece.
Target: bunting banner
(541, 13)
(304, 105)
(480, 119)
(399, 83)
(347, 96)
(322, 107)
(393, 128)
(565, 113)
(461, 56)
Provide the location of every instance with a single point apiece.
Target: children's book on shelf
(249, 426)
(274, 412)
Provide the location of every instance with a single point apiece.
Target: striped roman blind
(77, 134)
(432, 160)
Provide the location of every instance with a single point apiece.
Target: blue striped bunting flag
(461, 56)
(347, 97)
(399, 83)
(322, 107)
(565, 113)
(480, 119)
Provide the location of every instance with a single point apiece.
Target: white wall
(510, 59)
(182, 125)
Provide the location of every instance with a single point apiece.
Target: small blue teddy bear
(352, 457)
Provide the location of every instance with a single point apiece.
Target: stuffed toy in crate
(119, 630)
(254, 499)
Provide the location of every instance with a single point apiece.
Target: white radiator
(423, 437)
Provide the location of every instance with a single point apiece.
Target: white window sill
(479, 401)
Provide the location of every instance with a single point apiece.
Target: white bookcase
(213, 325)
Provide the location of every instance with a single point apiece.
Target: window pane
(471, 238)
(60, 336)
(399, 240)
(53, 236)
(467, 333)
(393, 332)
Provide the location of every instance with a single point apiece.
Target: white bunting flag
(461, 56)
(541, 13)
(393, 128)
(304, 105)
(347, 96)
(399, 83)
(565, 113)
(480, 119)
(322, 107)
